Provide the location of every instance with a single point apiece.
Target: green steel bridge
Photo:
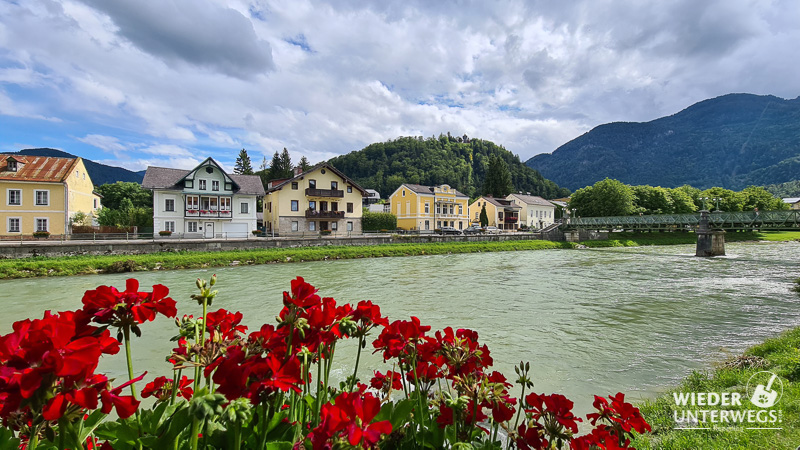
(719, 220)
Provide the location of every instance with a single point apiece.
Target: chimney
(298, 170)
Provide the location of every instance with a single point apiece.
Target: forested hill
(731, 141)
(385, 166)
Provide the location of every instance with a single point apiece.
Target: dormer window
(12, 165)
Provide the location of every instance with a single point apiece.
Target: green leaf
(7, 440)
(279, 446)
(400, 413)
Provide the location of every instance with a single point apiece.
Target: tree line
(611, 197)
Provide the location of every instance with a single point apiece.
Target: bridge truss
(751, 220)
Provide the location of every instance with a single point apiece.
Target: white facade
(206, 202)
(536, 212)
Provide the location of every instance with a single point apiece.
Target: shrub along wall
(372, 221)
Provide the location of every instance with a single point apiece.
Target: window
(349, 226)
(169, 225)
(451, 209)
(13, 224)
(14, 197)
(214, 185)
(294, 225)
(269, 206)
(438, 209)
(41, 225)
(460, 209)
(192, 202)
(245, 208)
(349, 189)
(334, 185)
(42, 198)
(294, 185)
(334, 206)
(191, 227)
(77, 174)
(312, 205)
(202, 185)
(349, 207)
(438, 224)
(12, 165)
(95, 203)
(460, 225)
(295, 205)
(334, 226)
(403, 193)
(427, 224)
(169, 204)
(312, 226)
(312, 184)
(225, 204)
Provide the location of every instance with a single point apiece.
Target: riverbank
(97, 264)
(780, 356)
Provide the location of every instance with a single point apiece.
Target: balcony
(314, 214)
(328, 193)
(511, 219)
(207, 213)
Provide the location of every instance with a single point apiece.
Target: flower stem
(126, 333)
(358, 357)
(195, 432)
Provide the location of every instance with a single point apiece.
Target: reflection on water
(591, 321)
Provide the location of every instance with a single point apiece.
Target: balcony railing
(511, 219)
(336, 193)
(314, 214)
(206, 213)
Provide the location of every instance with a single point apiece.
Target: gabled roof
(420, 189)
(325, 165)
(37, 168)
(791, 200)
(165, 178)
(501, 202)
(532, 200)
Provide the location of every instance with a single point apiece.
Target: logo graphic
(764, 396)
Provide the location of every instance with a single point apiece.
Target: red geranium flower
(161, 388)
(129, 308)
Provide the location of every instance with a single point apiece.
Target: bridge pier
(709, 242)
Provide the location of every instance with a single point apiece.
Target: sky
(170, 82)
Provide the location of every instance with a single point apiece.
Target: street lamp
(717, 199)
(703, 199)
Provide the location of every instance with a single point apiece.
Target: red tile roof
(36, 168)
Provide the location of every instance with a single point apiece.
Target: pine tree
(274, 171)
(484, 218)
(286, 164)
(498, 178)
(243, 165)
(304, 164)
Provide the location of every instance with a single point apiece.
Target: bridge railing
(765, 220)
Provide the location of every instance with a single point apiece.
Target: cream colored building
(536, 212)
(321, 199)
(42, 193)
(427, 208)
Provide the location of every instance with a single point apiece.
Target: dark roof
(501, 202)
(533, 200)
(420, 189)
(283, 183)
(164, 178)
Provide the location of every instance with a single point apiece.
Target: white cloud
(211, 77)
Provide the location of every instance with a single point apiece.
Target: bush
(256, 232)
(325, 232)
(41, 234)
(372, 221)
(165, 233)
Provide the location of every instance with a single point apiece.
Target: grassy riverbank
(81, 265)
(88, 264)
(780, 356)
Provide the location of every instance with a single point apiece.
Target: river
(590, 321)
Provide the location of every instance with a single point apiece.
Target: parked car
(473, 230)
(449, 230)
(491, 230)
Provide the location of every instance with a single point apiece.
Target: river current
(590, 321)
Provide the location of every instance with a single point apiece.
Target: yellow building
(319, 199)
(420, 207)
(502, 213)
(42, 193)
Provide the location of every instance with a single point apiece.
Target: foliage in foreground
(782, 357)
(271, 388)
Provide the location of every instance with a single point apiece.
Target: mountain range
(731, 141)
(99, 173)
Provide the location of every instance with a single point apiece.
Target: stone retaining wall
(134, 247)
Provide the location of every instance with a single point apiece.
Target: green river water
(590, 321)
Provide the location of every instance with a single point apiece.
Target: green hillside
(731, 141)
(460, 162)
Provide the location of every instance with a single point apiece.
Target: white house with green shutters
(203, 202)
